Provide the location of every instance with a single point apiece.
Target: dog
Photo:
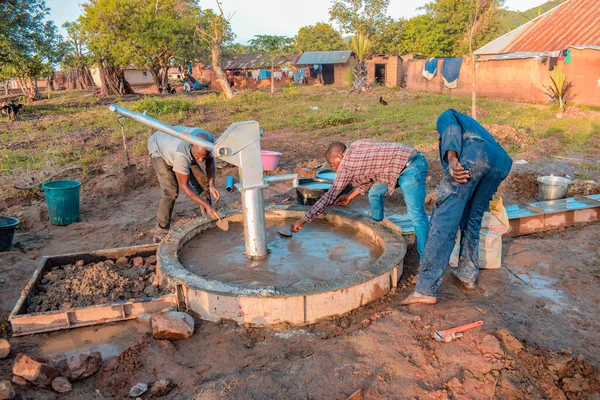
(11, 110)
(382, 101)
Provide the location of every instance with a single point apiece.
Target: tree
(275, 46)
(76, 62)
(29, 45)
(361, 46)
(366, 16)
(319, 37)
(143, 33)
(480, 19)
(214, 29)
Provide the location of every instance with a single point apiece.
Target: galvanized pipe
(283, 178)
(161, 126)
(255, 224)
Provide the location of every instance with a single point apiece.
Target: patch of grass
(335, 118)
(155, 106)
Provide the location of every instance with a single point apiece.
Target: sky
(271, 17)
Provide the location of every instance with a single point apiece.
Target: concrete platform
(299, 304)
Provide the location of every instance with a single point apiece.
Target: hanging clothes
(430, 68)
(256, 74)
(298, 75)
(262, 74)
(568, 57)
(450, 72)
(552, 64)
(278, 75)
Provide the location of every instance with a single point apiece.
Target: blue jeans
(412, 181)
(458, 205)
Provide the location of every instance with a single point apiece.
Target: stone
(122, 261)
(61, 385)
(510, 343)
(80, 366)
(35, 371)
(80, 263)
(151, 291)
(151, 260)
(575, 385)
(6, 390)
(161, 388)
(172, 325)
(138, 262)
(4, 348)
(138, 390)
(19, 380)
(145, 318)
(491, 346)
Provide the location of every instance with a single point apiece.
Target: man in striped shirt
(366, 162)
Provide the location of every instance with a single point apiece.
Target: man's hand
(214, 192)
(297, 226)
(457, 172)
(211, 212)
(343, 200)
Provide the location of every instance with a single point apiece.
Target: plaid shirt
(365, 162)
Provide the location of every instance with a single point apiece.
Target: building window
(145, 74)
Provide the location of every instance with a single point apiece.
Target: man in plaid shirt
(368, 162)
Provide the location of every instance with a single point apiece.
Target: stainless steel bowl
(553, 187)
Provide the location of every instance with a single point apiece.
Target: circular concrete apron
(300, 304)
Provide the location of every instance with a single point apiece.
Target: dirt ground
(540, 311)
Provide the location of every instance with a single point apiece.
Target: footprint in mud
(336, 254)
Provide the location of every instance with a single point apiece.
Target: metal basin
(553, 187)
(327, 174)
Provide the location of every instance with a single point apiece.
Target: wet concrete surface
(108, 339)
(319, 253)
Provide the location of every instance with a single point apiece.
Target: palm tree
(361, 46)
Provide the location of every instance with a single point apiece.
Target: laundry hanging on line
(450, 72)
(430, 68)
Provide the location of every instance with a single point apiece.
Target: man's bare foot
(418, 298)
(464, 284)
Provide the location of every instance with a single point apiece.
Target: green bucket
(62, 198)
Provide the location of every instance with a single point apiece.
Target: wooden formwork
(24, 323)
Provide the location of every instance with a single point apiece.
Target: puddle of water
(291, 334)
(544, 287)
(109, 339)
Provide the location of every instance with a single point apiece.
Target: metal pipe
(229, 184)
(161, 126)
(282, 178)
(255, 225)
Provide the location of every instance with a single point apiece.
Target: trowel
(285, 232)
(223, 224)
(129, 168)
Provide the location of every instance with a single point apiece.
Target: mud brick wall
(517, 80)
(393, 70)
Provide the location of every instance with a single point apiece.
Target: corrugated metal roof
(256, 60)
(324, 57)
(572, 23)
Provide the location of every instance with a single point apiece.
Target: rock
(122, 261)
(172, 325)
(4, 348)
(491, 346)
(80, 263)
(80, 366)
(151, 260)
(138, 390)
(6, 390)
(145, 318)
(575, 384)
(151, 291)
(509, 342)
(61, 385)
(19, 380)
(138, 262)
(35, 371)
(161, 388)
(66, 305)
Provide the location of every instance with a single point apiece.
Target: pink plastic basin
(270, 159)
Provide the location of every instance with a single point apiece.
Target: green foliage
(29, 45)
(514, 19)
(319, 37)
(161, 106)
(361, 46)
(560, 90)
(348, 77)
(367, 16)
(274, 45)
(335, 118)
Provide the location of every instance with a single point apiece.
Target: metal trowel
(223, 224)
(285, 232)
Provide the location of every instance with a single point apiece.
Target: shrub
(155, 106)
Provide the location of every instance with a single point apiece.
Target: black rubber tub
(7, 232)
(310, 189)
